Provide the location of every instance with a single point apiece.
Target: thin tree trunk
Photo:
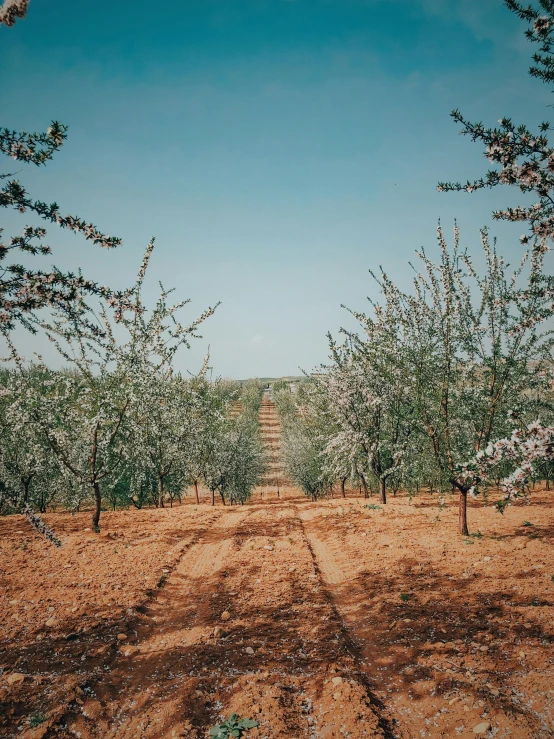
(97, 507)
(212, 499)
(342, 484)
(548, 483)
(196, 491)
(160, 492)
(462, 514)
(222, 498)
(26, 483)
(364, 483)
(383, 490)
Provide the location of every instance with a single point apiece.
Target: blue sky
(277, 149)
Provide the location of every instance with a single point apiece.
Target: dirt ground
(322, 620)
(319, 620)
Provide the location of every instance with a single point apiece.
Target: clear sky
(277, 149)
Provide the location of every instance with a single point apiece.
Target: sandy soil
(319, 620)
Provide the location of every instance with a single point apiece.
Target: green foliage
(373, 507)
(37, 719)
(233, 727)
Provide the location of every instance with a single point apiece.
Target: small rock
(122, 637)
(249, 650)
(337, 696)
(269, 548)
(522, 655)
(495, 692)
(453, 700)
(336, 680)
(219, 633)
(487, 559)
(52, 622)
(481, 728)
(225, 616)
(484, 648)
(15, 678)
(129, 650)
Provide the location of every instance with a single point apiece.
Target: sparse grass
(404, 597)
(373, 507)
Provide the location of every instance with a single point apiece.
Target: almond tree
(235, 460)
(473, 348)
(368, 403)
(524, 158)
(28, 468)
(87, 418)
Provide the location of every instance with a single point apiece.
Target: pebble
(219, 633)
(225, 616)
(249, 650)
(15, 677)
(122, 637)
(481, 728)
(336, 680)
(269, 549)
(51, 622)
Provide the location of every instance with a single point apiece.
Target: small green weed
(373, 507)
(404, 596)
(234, 726)
(477, 535)
(535, 602)
(527, 523)
(37, 719)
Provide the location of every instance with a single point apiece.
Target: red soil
(318, 643)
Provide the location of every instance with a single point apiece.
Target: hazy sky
(277, 149)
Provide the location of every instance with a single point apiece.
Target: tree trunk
(160, 492)
(26, 483)
(97, 507)
(196, 491)
(462, 514)
(222, 498)
(342, 484)
(383, 490)
(212, 500)
(548, 483)
(364, 483)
